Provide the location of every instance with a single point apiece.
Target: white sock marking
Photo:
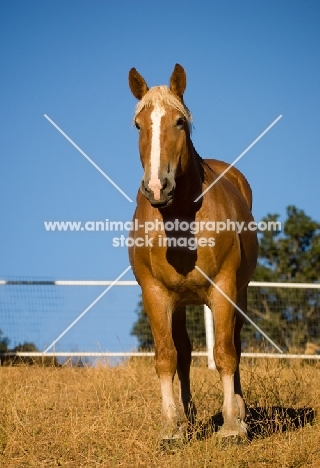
(154, 183)
(228, 391)
(169, 410)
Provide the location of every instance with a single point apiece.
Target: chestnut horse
(178, 262)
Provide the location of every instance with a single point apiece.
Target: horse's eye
(180, 122)
(137, 125)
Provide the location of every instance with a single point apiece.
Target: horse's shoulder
(234, 176)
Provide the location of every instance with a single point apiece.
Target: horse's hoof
(175, 440)
(240, 431)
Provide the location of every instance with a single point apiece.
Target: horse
(175, 258)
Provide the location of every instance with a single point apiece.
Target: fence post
(208, 321)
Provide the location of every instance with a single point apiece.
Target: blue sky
(247, 62)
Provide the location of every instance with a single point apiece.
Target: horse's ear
(137, 84)
(178, 81)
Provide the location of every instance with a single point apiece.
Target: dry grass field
(110, 417)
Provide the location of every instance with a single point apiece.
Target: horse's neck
(197, 163)
(189, 185)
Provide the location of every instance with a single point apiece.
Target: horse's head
(163, 122)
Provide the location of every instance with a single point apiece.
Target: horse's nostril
(144, 187)
(165, 184)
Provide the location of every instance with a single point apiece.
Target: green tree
(4, 342)
(291, 317)
(26, 360)
(293, 256)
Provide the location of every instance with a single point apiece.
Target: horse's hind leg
(242, 304)
(183, 347)
(227, 359)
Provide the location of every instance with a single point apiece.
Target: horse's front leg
(227, 358)
(159, 308)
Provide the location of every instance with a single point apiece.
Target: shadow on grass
(262, 422)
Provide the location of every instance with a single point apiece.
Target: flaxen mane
(161, 95)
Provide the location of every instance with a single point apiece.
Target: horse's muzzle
(166, 192)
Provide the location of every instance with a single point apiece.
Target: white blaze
(154, 183)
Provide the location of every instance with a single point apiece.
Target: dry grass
(110, 417)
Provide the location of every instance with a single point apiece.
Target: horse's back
(234, 176)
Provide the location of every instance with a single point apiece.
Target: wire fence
(50, 315)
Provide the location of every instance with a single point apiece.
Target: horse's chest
(175, 267)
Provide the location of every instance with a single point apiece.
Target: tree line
(8, 360)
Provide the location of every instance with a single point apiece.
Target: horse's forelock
(162, 96)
